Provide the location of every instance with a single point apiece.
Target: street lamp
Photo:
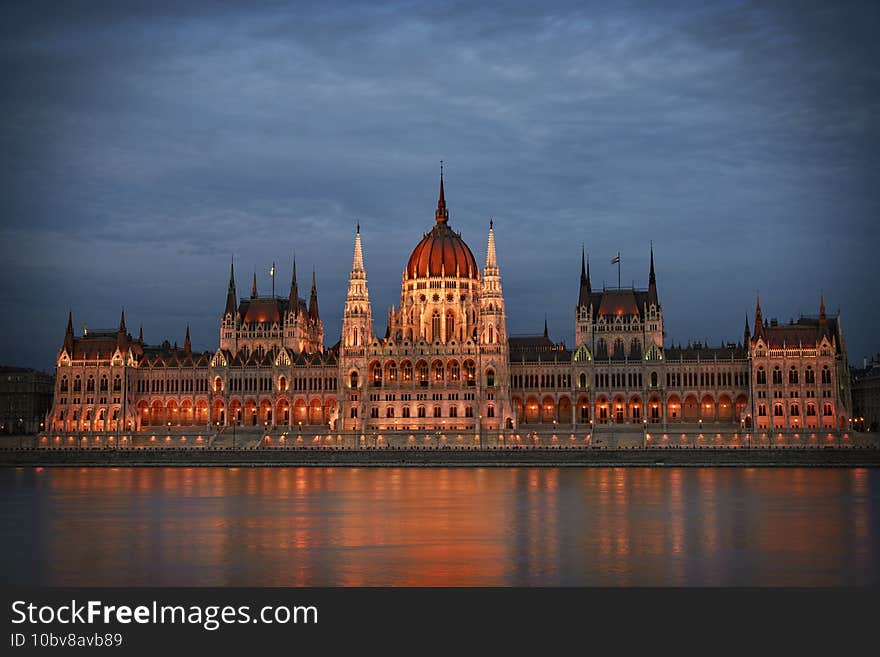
(480, 429)
(697, 437)
(645, 433)
(591, 431)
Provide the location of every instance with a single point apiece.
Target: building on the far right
(866, 395)
(800, 376)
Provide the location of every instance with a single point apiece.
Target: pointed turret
(68, 334)
(491, 257)
(747, 335)
(759, 320)
(121, 333)
(313, 300)
(357, 319)
(357, 264)
(822, 315)
(586, 287)
(121, 328)
(187, 345)
(230, 293)
(652, 281)
(141, 335)
(546, 333)
(254, 289)
(293, 298)
(442, 214)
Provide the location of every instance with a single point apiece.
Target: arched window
(282, 384)
(794, 410)
(90, 384)
(389, 412)
(635, 349)
(761, 377)
(490, 378)
(64, 384)
(491, 335)
(377, 374)
(811, 410)
(117, 384)
(435, 326)
(777, 410)
(827, 410)
(450, 326)
(653, 379)
(809, 376)
(583, 380)
(354, 380)
(618, 348)
(104, 384)
(421, 411)
(826, 375)
(793, 376)
(406, 371)
(601, 348)
(777, 376)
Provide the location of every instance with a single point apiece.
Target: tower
(357, 319)
(583, 324)
(230, 318)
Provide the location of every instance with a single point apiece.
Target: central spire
(442, 214)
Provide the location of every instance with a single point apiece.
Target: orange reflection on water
(441, 526)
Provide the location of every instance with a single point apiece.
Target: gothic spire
(442, 214)
(68, 334)
(822, 315)
(122, 322)
(187, 345)
(313, 299)
(759, 323)
(746, 333)
(230, 293)
(586, 287)
(491, 258)
(293, 299)
(141, 334)
(357, 264)
(254, 289)
(652, 280)
(546, 333)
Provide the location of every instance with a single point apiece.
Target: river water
(440, 526)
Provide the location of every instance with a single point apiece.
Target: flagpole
(618, 270)
(273, 279)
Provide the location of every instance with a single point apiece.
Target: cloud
(142, 144)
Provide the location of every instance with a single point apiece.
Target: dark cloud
(143, 144)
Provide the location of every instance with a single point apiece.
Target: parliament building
(446, 364)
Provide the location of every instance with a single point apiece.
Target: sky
(143, 145)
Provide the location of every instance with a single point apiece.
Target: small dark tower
(68, 335)
(293, 299)
(230, 294)
(313, 300)
(187, 345)
(586, 287)
(652, 281)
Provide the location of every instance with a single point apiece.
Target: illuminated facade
(447, 364)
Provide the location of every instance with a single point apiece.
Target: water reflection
(429, 527)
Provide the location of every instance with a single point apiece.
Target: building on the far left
(25, 399)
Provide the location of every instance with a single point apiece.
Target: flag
(615, 260)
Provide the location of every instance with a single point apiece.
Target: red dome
(442, 251)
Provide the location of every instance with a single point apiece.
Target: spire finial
(122, 321)
(254, 289)
(546, 333)
(822, 305)
(141, 334)
(442, 215)
(187, 345)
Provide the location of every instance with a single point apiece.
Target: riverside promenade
(449, 457)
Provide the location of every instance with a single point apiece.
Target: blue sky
(144, 144)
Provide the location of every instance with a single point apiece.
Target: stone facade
(447, 363)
